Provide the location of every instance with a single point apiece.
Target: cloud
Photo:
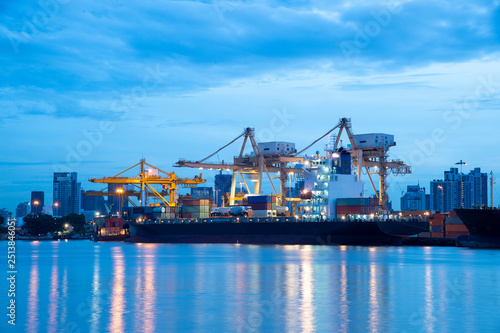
(102, 47)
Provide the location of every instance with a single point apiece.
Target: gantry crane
(149, 177)
(374, 159)
(255, 165)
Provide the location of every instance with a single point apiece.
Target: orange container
(436, 222)
(436, 234)
(349, 210)
(456, 228)
(455, 234)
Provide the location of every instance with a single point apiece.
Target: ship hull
(483, 226)
(318, 233)
(481, 222)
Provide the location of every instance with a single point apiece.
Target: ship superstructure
(326, 179)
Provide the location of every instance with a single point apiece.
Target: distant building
(37, 202)
(22, 209)
(414, 199)
(222, 186)
(455, 191)
(202, 192)
(66, 191)
(92, 203)
(5, 214)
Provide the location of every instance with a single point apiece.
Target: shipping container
(437, 234)
(264, 213)
(353, 202)
(195, 209)
(437, 228)
(196, 202)
(456, 228)
(349, 209)
(455, 234)
(261, 206)
(436, 222)
(260, 198)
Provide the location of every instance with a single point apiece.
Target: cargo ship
(483, 226)
(332, 210)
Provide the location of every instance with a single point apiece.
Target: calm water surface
(80, 286)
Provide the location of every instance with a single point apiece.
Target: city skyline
(94, 88)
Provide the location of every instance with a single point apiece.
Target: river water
(81, 286)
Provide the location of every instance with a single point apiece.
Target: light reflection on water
(33, 298)
(98, 287)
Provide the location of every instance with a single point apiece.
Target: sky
(93, 87)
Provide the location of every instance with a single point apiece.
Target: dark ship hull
(483, 226)
(263, 231)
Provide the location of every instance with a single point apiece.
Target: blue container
(259, 199)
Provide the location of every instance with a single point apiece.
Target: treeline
(43, 224)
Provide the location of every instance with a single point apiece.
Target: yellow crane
(256, 165)
(149, 177)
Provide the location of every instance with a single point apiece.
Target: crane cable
(221, 148)
(312, 144)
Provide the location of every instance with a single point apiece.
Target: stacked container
(361, 206)
(436, 225)
(196, 208)
(169, 212)
(262, 205)
(454, 226)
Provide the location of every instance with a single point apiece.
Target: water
(80, 286)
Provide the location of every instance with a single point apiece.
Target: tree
(76, 221)
(41, 224)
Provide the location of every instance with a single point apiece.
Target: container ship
(332, 209)
(483, 226)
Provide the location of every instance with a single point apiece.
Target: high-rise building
(222, 186)
(22, 209)
(414, 199)
(66, 193)
(202, 192)
(456, 190)
(92, 203)
(478, 187)
(37, 202)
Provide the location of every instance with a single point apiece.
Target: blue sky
(92, 87)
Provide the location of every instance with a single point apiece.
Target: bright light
(336, 155)
(56, 204)
(35, 202)
(66, 226)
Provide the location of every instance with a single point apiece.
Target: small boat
(110, 229)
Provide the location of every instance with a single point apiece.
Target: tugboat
(110, 228)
